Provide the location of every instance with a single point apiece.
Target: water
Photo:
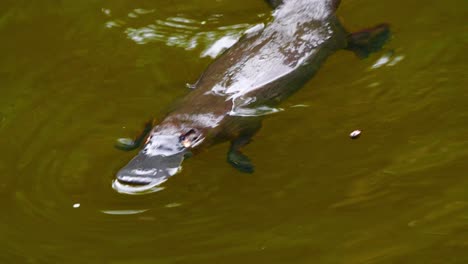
(74, 78)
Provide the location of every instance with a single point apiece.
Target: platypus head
(160, 158)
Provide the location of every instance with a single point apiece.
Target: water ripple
(187, 34)
(181, 31)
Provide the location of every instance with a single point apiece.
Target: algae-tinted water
(76, 75)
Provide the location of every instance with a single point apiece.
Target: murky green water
(76, 75)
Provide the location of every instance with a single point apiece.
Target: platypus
(249, 79)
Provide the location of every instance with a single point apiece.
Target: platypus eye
(187, 135)
(188, 138)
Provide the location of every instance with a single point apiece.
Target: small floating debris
(355, 134)
(77, 205)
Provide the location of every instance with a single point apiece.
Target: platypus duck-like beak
(160, 159)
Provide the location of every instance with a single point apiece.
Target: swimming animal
(247, 81)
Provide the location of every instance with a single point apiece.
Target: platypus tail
(363, 42)
(369, 40)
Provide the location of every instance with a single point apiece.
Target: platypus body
(247, 81)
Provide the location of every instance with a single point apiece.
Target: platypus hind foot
(369, 40)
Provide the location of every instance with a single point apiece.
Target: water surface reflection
(181, 31)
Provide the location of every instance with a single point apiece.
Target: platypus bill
(248, 80)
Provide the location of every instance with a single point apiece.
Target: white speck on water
(106, 11)
(355, 134)
(77, 205)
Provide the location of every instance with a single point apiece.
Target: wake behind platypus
(261, 70)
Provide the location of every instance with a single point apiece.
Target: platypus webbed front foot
(240, 161)
(235, 157)
(128, 144)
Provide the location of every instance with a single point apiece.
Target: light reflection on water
(388, 59)
(124, 212)
(181, 31)
(137, 190)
